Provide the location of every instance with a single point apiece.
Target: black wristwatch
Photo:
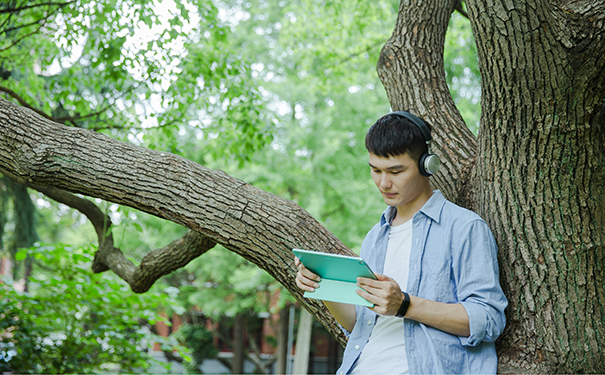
(404, 305)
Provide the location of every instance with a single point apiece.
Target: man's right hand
(308, 281)
(305, 279)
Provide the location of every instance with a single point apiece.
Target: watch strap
(404, 305)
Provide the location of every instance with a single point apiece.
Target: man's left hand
(384, 293)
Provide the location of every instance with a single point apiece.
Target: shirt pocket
(436, 281)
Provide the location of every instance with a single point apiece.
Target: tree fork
(410, 67)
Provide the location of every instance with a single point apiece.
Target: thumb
(382, 277)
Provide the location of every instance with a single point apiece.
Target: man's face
(398, 179)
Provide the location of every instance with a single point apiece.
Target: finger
(365, 282)
(380, 303)
(370, 298)
(306, 279)
(305, 283)
(382, 277)
(308, 274)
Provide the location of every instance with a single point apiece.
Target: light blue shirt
(453, 260)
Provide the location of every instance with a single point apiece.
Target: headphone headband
(429, 163)
(417, 121)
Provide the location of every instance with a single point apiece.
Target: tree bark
(259, 226)
(155, 264)
(536, 173)
(540, 176)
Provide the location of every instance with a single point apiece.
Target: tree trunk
(24, 234)
(537, 172)
(411, 68)
(540, 179)
(303, 343)
(282, 340)
(239, 326)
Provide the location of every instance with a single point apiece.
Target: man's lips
(389, 195)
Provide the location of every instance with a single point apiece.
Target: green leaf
(21, 254)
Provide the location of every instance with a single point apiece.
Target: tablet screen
(334, 266)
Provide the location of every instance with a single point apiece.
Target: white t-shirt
(385, 351)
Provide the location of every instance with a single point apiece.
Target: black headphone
(428, 164)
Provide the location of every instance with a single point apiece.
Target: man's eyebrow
(398, 166)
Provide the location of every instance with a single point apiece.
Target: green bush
(74, 321)
(200, 341)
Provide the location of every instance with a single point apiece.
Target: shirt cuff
(477, 324)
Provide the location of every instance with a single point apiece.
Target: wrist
(403, 308)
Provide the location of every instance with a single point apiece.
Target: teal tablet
(338, 274)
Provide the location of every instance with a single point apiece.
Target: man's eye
(395, 172)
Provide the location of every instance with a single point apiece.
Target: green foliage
(200, 342)
(462, 70)
(74, 321)
(134, 69)
(227, 284)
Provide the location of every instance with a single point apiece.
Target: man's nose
(385, 181)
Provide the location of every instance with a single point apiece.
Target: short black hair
(394, 135)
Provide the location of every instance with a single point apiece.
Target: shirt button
(369, 322)
(356, 347)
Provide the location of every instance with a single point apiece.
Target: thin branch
(43, 22)
(61, 120)
(6, 21)
(460, 8)
(16, 10)
(155, 264)
(25, 36)
(5, 31)
(75, 118)
(363, 50)
(23, 102)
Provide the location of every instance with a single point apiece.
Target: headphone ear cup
(421, 164)
(428, 164)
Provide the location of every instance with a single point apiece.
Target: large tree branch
(259, 226)
(155, 264)
(578, 24)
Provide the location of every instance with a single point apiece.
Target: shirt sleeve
(478, 283)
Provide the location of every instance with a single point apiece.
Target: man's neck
(407, 211)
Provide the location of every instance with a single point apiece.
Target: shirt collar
(432, 208)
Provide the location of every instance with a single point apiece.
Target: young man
(438, 302)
